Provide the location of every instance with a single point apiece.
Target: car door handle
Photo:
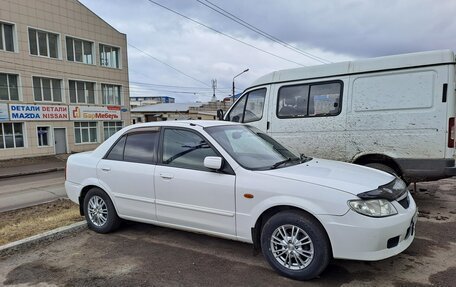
(106, 169)
(166, 176)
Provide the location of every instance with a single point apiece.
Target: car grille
(405, 202)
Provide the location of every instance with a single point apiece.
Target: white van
(394, 113)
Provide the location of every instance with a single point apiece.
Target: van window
(309, 100)
(249, 108)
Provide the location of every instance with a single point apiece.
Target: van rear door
(451, 101)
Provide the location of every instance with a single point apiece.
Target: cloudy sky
(170, 55)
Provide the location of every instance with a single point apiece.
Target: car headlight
(373, 207)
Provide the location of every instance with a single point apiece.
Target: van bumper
(415, 170)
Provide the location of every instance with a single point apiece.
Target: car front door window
(185, 149)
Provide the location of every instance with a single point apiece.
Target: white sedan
(233, 181)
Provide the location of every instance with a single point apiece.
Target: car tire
(100, 214)
(303, 240)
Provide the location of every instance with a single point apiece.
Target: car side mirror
(213, 162)
(220, 114)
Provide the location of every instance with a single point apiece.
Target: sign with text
(21, 112)
(92, 113)
(4, 113)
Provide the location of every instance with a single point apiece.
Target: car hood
(343, 176)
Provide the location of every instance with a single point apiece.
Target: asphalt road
(23, 191)
(146, 255)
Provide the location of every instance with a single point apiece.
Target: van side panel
(399, 114)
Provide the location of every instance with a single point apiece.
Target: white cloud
(333, 30)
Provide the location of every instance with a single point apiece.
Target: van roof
(420, 59)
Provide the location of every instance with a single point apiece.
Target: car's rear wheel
(295, 245)
(99, 211)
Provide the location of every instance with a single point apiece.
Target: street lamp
(246, 70)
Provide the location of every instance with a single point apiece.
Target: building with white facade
(63, 78)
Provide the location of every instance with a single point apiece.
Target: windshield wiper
(304, 158)
(190, 149)
(279, 163)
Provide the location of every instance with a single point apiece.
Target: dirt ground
(25, 222)
(146, 255)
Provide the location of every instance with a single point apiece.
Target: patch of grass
(25, 222)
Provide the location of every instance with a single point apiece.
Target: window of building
(110, 94)
(309, 100)
(6, 37)
(47, 89)
(79, 50)
(9, 90)
(81, 92)
(85, 132)
(43, 43)
(109, 56)
(185, 149)
(110, 128)
(11, 135)
(43, 136)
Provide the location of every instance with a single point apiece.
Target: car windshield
(251, 148)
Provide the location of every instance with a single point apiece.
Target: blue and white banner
(21, 112)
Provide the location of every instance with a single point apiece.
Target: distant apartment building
(149, 100)
(63, 78)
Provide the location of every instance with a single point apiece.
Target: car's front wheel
(295, 245)
(99, 211)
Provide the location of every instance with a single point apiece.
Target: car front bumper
(358, 237)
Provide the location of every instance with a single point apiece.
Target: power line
(172, 86)
(91, 78)
(249, 26)
(168, 65)
(224, 34)
(171, 91)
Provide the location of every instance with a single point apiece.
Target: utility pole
(214, 86)
(234, 91)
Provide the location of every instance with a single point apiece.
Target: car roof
(186, 123)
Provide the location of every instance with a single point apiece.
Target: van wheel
(99, 212)
(387, 169)
(382, 167)
(295, 245)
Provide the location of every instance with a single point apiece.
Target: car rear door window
(140, 147)
(117, 150)
(137, 147)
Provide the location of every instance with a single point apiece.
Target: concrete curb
(2, 176)
(47, 236)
